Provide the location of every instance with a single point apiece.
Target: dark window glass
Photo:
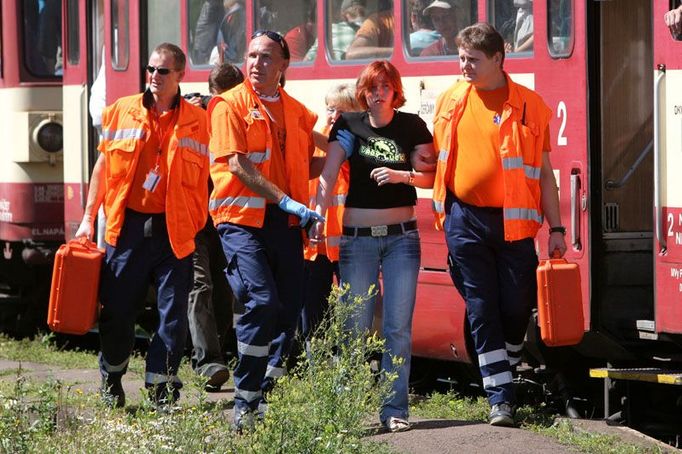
(296, 20)
(560, 27)
(514, 20)
(216, 31)
(73, 35)
(42, 44)
(163, 23)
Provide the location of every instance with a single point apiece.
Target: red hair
(368, 76)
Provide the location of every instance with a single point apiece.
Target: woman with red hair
(392, 152)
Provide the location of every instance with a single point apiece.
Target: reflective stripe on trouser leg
(124, 280)
(475, 238)
(250, 260)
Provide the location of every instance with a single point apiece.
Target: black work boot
(111, 392)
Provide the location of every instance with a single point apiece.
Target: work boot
(502, 415)
(111, 392)
(162, 395)
(216, 380)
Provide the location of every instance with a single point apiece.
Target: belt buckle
(379, 230)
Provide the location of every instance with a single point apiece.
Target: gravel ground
(426, 437)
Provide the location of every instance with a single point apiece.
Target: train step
(646, 374)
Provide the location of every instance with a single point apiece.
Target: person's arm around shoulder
(95, 198)
(550, 205)
(673, 20)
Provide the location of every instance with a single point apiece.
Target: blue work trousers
(143, 256)
(497, 280)
(319, 277)
(265, 272)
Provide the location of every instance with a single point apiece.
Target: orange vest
(125, 125)
(231, 201)
(525, 118)
(334, 214)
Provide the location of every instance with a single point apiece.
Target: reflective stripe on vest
(517, 163)
(443, 155)
(258, 157)
(122, 134)
(241, 201)
(522, 214)
(188, 142)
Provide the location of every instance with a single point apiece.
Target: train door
(621, 122)
(560, 64)
(122, 41)
(83, 52)
(667, 251)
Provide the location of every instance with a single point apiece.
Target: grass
(322, 406)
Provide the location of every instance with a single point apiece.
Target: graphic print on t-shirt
(382, 150)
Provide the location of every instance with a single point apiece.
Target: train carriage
(610, 71)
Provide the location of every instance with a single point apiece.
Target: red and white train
(610, 71)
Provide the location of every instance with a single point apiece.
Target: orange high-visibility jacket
(334, 215)
(525, 118)
(231, 201)
(125, 128)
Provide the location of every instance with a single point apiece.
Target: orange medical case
(560, 307)
(74, 304)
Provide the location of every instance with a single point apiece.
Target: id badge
(152, 180)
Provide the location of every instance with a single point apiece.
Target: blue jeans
(398, 257)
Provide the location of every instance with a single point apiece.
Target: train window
(675, 4)
(42, 44)
(1, 72)
(73, 32)
(296, 20)
(514, 20)
(560, 28)
(431, 26)
(217, 31)
(359, 29)
(120, 32)
(163, 23)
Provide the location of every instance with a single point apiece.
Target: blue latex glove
(293, 207)
(347, 141)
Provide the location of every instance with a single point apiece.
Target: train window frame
(73, 53)
(2, 74)
(567, 41)
(333, 7)
(163, 23)
(120, 48)
(406, 27)
(490, 16)
(28, 71)
(300, 25)
(671, 6)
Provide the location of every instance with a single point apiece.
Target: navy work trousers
(265, 272)
(143, 255)
(319, 278)
(497, 280)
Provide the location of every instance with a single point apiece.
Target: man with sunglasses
(151, 177)
(262, 147)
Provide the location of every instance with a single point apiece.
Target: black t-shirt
(389, 146)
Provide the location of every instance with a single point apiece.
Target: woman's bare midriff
(367, 217)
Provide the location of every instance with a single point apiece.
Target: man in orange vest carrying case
(494, 182)
(262, 149)
(151, 176)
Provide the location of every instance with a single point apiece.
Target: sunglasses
(163, 71)
(275, 37)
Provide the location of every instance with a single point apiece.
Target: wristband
(560, 229)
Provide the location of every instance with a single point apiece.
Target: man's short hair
(173, 50)
(223, 77)
(482, 37)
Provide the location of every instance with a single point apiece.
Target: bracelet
(410, 178)
(558, 229)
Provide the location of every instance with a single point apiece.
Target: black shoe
(163, 395)
(112, 393)
(217, 380)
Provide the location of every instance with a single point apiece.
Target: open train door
(559, 51)
(78, 141)
(122, 36)
(667, 182)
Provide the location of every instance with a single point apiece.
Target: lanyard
(162, 135)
